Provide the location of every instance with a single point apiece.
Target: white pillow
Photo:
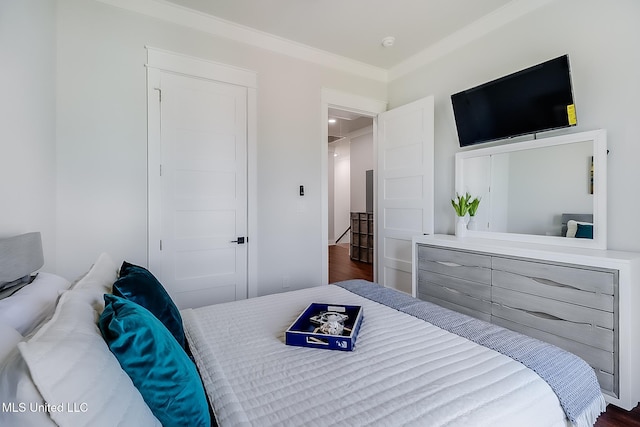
(32, 305)
(99, 280)
(71, 364)
(24, 312)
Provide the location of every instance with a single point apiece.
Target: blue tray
(303, 332)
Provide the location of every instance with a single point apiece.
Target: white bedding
(403, 371)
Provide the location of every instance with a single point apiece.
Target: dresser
(583, 300)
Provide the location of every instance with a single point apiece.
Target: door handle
(239, 240)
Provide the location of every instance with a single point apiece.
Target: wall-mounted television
(536, 99)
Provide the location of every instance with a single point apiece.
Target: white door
(203, 133)
(404, 188)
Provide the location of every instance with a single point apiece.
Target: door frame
(162, 61)
(369, 107)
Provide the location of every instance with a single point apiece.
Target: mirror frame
(599, 141)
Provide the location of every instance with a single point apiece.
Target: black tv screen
(533, 100)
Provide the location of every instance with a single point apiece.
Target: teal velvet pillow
(137, 284)
(159, 368)
(584, 231)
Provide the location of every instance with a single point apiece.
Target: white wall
(601, 40)
(27, 121)
(342, 189)
(331, 237)
(361, 161)
(102, 140)
(347, 183)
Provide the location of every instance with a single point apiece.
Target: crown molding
(485, 25)
(176, 14)
(212, 25)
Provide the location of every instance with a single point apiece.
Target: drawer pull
(543, 315)
(449, 264)
(455, 291)
(552, 283)
(548, 316)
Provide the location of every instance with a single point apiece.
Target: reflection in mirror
(527, 189)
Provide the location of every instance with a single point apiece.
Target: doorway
(403, 181)
(343, 101)
(350, 164)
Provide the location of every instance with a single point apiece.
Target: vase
(461, 227)
(472, 225)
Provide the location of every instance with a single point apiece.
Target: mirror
(531, 190)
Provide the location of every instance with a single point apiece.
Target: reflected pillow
(137, 284)
(157, 365)
(572, 227)
(584, 231)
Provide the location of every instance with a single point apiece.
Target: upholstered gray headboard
(19, 257)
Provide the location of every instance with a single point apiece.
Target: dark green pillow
(137, 284)
(584, 231)
(159, 368)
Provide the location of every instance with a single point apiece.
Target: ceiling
(355, 28)
(345, 123)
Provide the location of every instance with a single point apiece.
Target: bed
(84, 361)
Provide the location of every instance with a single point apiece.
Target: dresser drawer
(485, 314)
(463, 293)
(552, 290)
(568, 312)
(569, 324)
(557, 281)
(427, 279)
(453, 263)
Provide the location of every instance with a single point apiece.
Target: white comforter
(403, 371)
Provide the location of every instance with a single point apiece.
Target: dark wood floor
(616, 417)
(342, 267)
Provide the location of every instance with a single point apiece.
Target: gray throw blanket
(570, 377)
